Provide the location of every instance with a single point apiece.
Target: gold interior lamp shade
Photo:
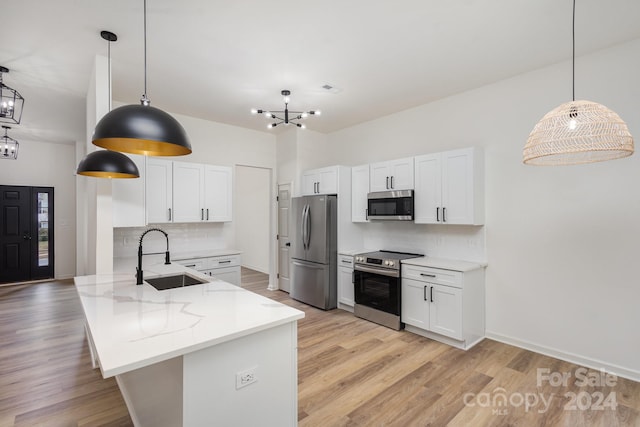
(141, 129)
(107, 164)
(578, 132)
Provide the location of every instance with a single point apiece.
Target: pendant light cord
(574, 52)
(109, 73)
(145, 100)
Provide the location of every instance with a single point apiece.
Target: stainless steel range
(377, 286)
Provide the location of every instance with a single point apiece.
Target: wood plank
(351, 372)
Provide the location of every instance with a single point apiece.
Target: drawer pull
(225, 262)
(346, 261)
(190, 265)
(427, 275)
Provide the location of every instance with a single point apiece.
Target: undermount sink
(175, 281)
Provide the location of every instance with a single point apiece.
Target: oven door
(377, 288)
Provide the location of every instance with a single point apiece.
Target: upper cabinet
(188, 192)
(159, 190)
(449, 187)
(359, 191)
(174, 192)
(201, 193)
(218, 201)
(128, 198)
(391, 175)
(320, 181)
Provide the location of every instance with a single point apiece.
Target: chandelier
(11, 102)
(287, 119)
(8, 146)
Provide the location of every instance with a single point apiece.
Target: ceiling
(216, 59)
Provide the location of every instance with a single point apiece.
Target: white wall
(252, 216)
(562, 243)
(216, 144)
(50, 165)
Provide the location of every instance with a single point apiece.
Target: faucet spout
(167, 260)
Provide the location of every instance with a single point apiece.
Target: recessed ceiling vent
(331, 88)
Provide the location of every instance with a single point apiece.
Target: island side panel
(210, 378)
(153, 394)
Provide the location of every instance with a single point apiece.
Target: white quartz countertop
(352, 252)
(204, 254)
(134, 326)
(445, 264)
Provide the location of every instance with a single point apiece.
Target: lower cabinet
(223, 267)
(345, 282)
(444, 305)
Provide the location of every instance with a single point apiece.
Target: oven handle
(388, 273)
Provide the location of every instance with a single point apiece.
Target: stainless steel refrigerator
(314, 249)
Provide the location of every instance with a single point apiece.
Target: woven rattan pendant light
(578, 132)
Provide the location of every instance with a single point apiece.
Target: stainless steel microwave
(396, 205)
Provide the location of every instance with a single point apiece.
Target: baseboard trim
(568, 357)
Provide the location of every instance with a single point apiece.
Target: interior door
(26, 237)
(284, 237)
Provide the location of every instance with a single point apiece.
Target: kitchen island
(202, 355)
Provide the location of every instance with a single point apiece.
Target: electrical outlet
(245, 378)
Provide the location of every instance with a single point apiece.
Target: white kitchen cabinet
(449, 187)
(392, 175)
(188, 192)
(201, 193)
(223, 267)
(128, 198)
(159, 190)
(218, 201)
(346, 297)
(320, 181)
(359, 191)
(443, 304)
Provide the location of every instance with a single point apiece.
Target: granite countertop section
(134, 326)
(445, 264)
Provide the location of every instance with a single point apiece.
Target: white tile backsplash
(462, 242)
(182, 238)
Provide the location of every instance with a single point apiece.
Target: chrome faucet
(166, 254)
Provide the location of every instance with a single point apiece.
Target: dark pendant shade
(141, 129)
(108, 164)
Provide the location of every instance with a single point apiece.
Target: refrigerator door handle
(302, 227)
(308, 224)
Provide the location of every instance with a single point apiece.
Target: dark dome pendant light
(142, 129)
(105, 163)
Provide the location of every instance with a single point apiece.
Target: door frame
(37, 272)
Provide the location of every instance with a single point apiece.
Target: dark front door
(26, 238)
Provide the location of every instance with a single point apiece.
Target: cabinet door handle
(169, 214)
(392, 183)
(444, 218)
(366, 214)
(207, 214)
(431, 294)
(201, 214)
(387, 183)
(427, 275)
(424, 293)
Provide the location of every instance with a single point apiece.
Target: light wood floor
(351, 373)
